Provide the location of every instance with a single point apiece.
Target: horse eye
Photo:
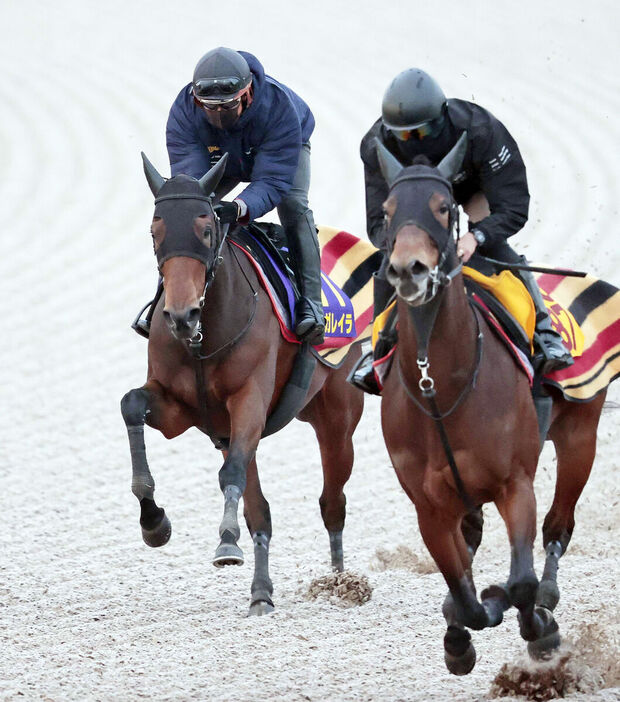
(206, 235)
(444, 209)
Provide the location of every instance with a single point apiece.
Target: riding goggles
(219, 86)
(430, 129)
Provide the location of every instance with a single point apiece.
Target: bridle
(423, 318)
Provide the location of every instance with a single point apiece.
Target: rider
(491, 186)
(232, 106)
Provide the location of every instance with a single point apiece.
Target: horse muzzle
(183, 323)
(411, 280)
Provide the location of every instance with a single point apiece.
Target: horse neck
(451, 349)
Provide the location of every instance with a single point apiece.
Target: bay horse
(217, 361)
(460, 423)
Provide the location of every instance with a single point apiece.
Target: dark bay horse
(460, 424)
(217, 361)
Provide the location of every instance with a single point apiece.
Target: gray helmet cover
(412, 99)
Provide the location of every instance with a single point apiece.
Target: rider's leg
(298, 222)
(143, 326)
(363, 376)
(551, 354)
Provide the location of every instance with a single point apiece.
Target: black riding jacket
(492, 165)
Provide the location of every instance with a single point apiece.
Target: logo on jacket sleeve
(501, 159)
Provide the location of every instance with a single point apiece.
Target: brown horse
(460, 424)
(217, 361)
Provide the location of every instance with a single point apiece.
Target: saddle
(508, 308)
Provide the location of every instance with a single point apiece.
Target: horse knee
(134, 407)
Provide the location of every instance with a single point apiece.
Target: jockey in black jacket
(491, 186)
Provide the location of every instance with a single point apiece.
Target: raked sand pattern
(87, 611)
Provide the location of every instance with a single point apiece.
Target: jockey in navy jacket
(263, 145)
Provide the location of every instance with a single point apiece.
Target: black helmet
(221, 75)
(413, 101)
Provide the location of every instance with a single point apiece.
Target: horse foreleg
(461, 608)
(246, 428)
(138, 406)
(517, 507)
(258, 520)
(334, 413)
(573, 433)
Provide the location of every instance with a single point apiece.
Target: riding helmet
(413, 99)
(221, 74)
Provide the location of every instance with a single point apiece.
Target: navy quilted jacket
(263, 147)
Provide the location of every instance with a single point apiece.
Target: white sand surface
(87, 611)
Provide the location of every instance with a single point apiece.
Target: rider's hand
(466, 246)
(227, 212)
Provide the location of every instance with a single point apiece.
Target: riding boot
(550, 353)
(363, 374)
(143, 326)
(304, 245)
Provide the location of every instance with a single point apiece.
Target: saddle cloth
(347, 266)
(585, 311)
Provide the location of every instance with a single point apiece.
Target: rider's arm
(186, 151)
(503, 180)
(275, 161)
(376, 189)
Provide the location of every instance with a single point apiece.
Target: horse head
(420, 213)
(187, 238)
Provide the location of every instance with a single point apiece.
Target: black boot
(143, 326)
(304, 245)
(550, 354)
(363, 374)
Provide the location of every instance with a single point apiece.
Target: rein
(195, 343)
(423, 329)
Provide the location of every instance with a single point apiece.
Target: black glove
(227, 212)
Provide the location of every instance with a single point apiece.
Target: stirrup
(142, 326)
(362, 375)
(552, 354)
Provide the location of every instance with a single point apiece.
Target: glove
(227, 212)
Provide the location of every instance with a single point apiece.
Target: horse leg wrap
(548, 594)
(142, 483)
(337, 553)
(262, 587)
(229, 528)
(134, 408)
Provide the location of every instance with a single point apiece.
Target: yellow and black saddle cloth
(585, 311)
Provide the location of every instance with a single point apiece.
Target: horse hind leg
(573, 433)
(334, 413)
(258, 519)
(156, 527)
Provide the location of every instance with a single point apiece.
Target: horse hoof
(228, 554)
(459, 652)
(544, 647)
(461, 665)
(548, 595)
(158, 535)
(257, 609)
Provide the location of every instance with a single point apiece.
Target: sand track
(86, 610)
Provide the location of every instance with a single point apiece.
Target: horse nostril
(167, 316)
(193, 316)
(417, 268)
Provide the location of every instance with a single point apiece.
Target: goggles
(214, 88)
(430, 129)
(219, 104)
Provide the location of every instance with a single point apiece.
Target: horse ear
(451, 163)
(390, 165)
(153, 178)
(212, 177)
